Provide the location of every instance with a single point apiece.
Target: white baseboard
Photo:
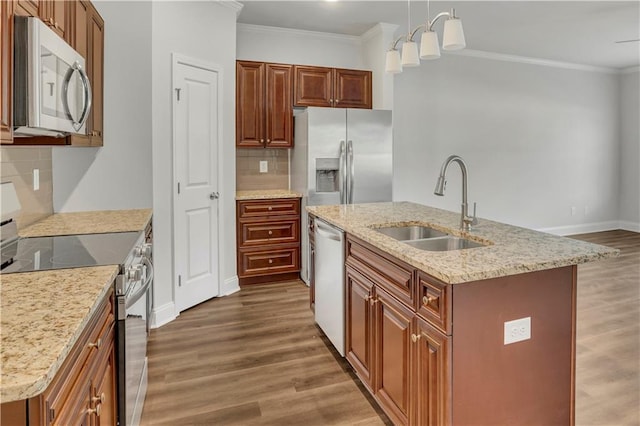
(163, 315)
(583, 228)
(230, 286)
(630, 226)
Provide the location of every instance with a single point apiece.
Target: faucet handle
(475, 218)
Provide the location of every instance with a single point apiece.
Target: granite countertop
(42, 316)
(510, 249)
(267, 194)
(93, 222)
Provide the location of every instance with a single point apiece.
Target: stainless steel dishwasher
(329, 282)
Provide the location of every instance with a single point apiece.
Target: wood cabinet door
(279, 109)
(95, 68)
(393, 349)
(104, 390)
(249, 104)
(431, 371)
(359, 325)
(6, 71)
(55, 14)
(352, 89)
(31, 7)
(313, 86)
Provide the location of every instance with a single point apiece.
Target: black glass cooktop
(69, 251)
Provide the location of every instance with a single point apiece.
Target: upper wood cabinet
(264, 111)
(55, 14)
(332, 87)
(6, 71)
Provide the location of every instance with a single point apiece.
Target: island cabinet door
(393, 360)
(359, 325)
(431, 374)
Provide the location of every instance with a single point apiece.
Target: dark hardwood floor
(257, 358)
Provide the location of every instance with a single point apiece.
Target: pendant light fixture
(452, 39)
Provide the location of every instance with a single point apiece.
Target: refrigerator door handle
(351, 176)
(342, 172)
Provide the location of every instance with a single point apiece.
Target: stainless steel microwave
(51, 92)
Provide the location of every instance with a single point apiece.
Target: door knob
(214, 196)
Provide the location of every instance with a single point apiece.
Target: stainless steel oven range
(133, 288)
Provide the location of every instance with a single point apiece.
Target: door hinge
(179, 280)
(178, 93)
(178, 187)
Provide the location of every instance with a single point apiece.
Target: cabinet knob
(269, 208)
(96, 344)
(268, 140)
(415, 338)
(372, 301)
(270, 261)
(427, 300)
(337, 100)
(98, 398)
(95, 411)
(261, 140)
(270, 232)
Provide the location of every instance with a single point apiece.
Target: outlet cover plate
(264, 166)
(517, 330)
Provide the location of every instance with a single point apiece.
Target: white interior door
(196, 137)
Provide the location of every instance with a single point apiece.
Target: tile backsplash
(248, 176)
(16, 165)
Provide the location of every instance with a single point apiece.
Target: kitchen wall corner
(17, 165)
(248, 176)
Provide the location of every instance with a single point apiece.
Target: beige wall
(17, 164)
(248, 176)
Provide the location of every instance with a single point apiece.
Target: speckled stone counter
(509, 249)
(266, 194)
(42, 316)
(94, 222)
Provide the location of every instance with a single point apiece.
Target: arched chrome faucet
(465, 220)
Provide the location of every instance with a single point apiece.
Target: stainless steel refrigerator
(340, 156)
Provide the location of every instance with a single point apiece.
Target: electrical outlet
(264, 166)
(517, 330)
(36, 179)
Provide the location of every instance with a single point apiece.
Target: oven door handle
(129, 301)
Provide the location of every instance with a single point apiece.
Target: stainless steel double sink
(426, 238)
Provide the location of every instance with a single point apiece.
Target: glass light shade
(429, 48)
(392, 64)
(410, 54)
(453, 36)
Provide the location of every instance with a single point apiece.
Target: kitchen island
(475, 336)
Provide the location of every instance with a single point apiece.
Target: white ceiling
(580, 32)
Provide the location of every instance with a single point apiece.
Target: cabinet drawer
(251, 209)
(434, 302)
(266, 261)
(394, 278)
(269, 232)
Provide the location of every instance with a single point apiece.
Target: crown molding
(531, 61)
(379, 28)
(263, 29)
(231, 4)
(630, 70)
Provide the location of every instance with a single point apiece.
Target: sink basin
(412, 232)
(445, 243)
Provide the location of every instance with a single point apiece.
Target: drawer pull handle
(98, 398)
(427, 300)
(270, 208)
(270, 232)
(415, 338)
(96, 344)
(270, 261)
(95, 411)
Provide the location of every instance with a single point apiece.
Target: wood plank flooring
(257, 358)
